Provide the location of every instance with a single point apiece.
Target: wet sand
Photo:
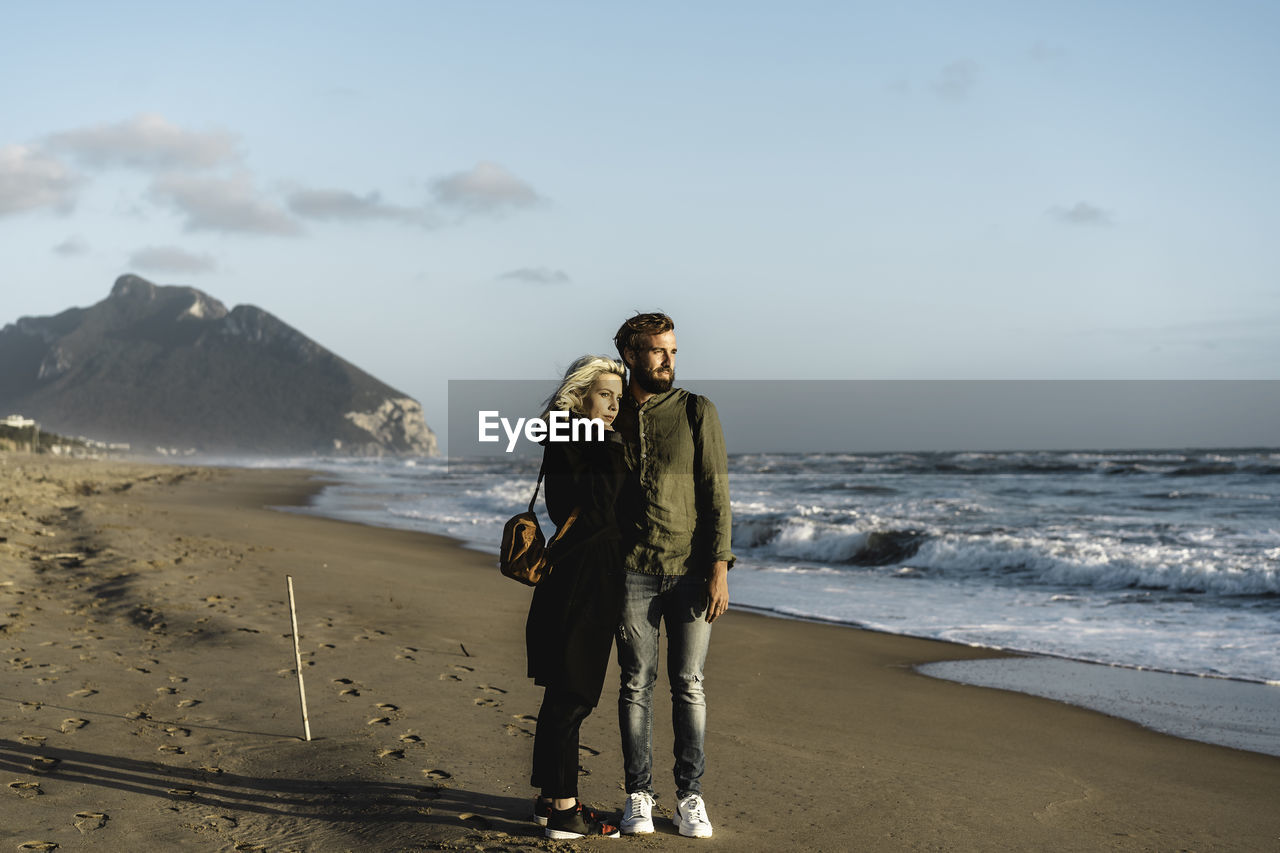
(149, 702)
(1238, 714)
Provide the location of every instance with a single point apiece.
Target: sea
(1167, 560)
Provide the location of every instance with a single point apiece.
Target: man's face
(653, 362)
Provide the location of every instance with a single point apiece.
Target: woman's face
(602, 398)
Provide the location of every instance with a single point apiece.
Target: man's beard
(653, 383)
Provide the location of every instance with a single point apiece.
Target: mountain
(171, 367)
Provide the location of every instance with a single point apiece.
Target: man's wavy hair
(640, 326)
(578, 379)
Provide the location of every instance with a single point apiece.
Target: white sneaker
(637, 814)
(691, 817)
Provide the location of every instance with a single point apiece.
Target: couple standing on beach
(650, 544)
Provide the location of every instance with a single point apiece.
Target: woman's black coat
(576, 609)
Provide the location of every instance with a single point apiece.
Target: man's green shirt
(674, 513)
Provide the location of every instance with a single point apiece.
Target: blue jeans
(682, 603)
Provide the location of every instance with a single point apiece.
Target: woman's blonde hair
(578, 379)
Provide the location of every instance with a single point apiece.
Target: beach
(150, 702)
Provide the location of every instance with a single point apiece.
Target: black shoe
(542, 809)
(577, 822)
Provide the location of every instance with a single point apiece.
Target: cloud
(485, 188)
(31, 179)
(957, 80)
(537, 275)
(1046, 53)
(218, 204)
(345, 206)
(171, 259)
(72, 246)
(146, 142)
(1082, 213)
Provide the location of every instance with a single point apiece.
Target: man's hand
(718, 590)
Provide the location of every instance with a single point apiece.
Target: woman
(576, 608)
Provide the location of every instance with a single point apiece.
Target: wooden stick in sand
(297, 657)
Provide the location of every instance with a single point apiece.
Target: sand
(149, 703)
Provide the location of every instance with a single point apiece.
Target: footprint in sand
(171, 749)
(177, 679)
(89, 821)
(181, 793)
(403, 656)
(350, 691)
(249, 847)
(39, 845)
(188, 703)
(586, 750)
(437, 774)
(379, 721)
(69, 726)
(177, 731)
(474, 820)
(31, 706)
(391, 753)
(449, 677)
(82, 694)
(487, 703)
(217, 823)
(488, 689)
(387, 706)
(515, 731)
(166, 691)
(34, 738)
(462, 668)
(525, 718)
(410, 738)
(137, 714)
(43, 764)
(26, 790)
(209, 768)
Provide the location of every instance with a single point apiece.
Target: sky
(485, 190)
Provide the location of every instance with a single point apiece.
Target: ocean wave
(1102, 564)
(1192, 563)
(824, 467)
(826, 542)
(1204, 469)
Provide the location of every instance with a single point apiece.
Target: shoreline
(151, 682)
(1232, 713)
(1184, 710)
(1164, 630)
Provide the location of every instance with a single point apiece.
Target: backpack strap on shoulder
(533, 500)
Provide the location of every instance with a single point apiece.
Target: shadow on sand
(345, 801)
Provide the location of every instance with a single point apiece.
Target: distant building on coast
(18, 433)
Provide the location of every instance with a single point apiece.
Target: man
(676, 524)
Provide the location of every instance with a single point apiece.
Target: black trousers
(555, 744)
